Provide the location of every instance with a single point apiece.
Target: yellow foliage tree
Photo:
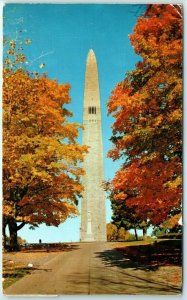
(112, 232)
(123, 234)
(41, 157)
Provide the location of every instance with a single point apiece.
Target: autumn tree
(112, 232)
(126, 217)
(41, 157)
(123, 235)
(147, 107)
(172, 223)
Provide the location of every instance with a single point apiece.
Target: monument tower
(93, 224)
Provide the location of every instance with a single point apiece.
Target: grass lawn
(163, 257)
(133, 243)
(15, 264)
(13, 272)
(153, 253)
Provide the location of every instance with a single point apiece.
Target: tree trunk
(144, 233)
(4, 233)
(136, 235)
(12, 225)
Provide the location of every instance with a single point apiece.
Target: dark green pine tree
(124, 216)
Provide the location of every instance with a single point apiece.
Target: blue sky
(62, 35)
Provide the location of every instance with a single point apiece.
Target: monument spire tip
(91, 52)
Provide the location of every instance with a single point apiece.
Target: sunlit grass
(133, 243)
(13, 273)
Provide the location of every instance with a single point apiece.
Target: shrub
(170, 236)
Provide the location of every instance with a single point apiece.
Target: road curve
(90, 268)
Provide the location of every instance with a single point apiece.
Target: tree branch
(21, 225)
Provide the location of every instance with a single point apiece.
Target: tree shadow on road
(146, 257)
(113, 258)
(138, 280)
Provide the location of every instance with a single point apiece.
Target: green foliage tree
(124, 216)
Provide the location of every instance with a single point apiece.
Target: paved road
(90, 268)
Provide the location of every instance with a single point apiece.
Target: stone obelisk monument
(93, 224)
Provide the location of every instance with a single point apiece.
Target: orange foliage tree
(41, 157)
(147, 107)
